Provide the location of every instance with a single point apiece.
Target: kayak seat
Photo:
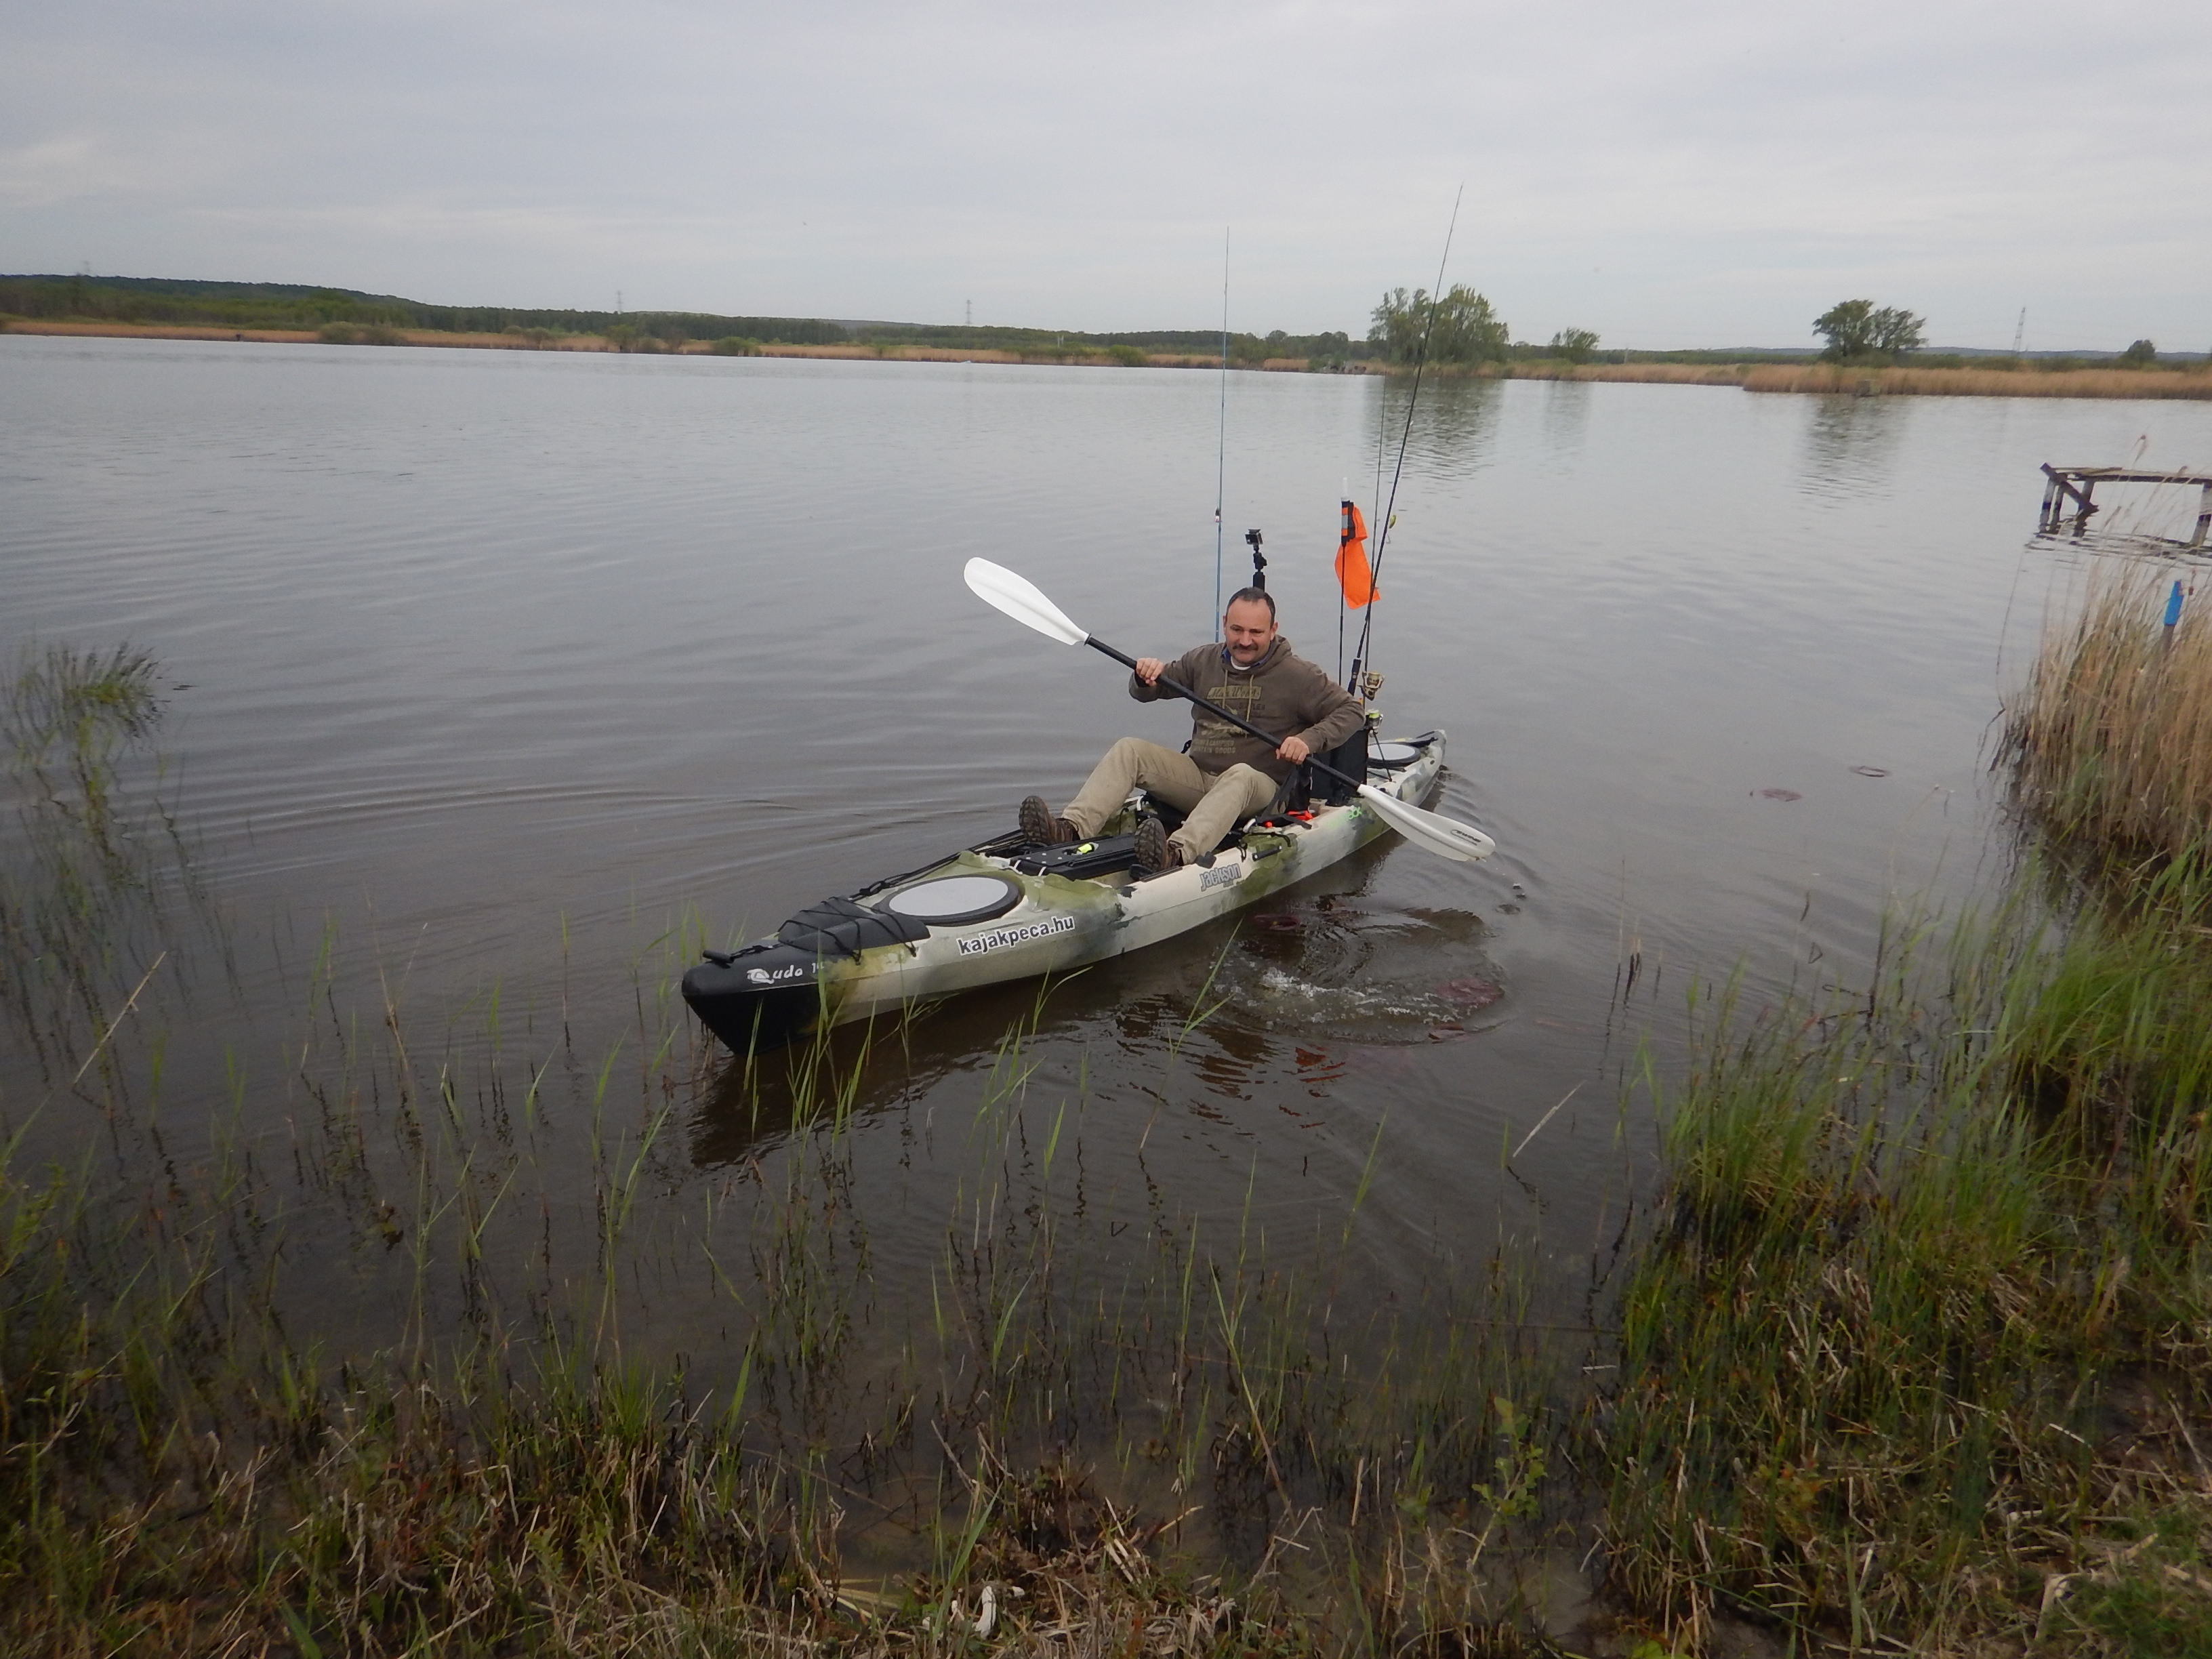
(839, 927)
(1170, 819)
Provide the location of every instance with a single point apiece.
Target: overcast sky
(1702, 173)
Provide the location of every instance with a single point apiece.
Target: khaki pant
(1211, 803)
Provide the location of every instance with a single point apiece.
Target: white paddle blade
(1447, 837)
(1019, 599)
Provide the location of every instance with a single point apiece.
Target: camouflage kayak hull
(1006, 911)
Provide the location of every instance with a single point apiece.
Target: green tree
(1897, 332)
(1575, 344)
(1467, 330)
(1857, 331)
(2142, 355)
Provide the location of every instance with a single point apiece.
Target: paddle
(1020, 599)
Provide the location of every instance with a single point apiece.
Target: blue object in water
(2174, 605)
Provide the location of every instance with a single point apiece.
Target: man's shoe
(1040, 828)
(1155, 854)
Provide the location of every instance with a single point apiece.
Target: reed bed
(1643, 373)
(435, 1339)
(2109, 744)
(1909, 382)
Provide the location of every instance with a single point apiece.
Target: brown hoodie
(1280, 693)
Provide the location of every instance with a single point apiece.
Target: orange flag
(1352, 571)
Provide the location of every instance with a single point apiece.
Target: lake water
(495, 667)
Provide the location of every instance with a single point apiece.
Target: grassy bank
(1920, 1356)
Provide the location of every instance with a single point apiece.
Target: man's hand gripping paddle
(1020, 599)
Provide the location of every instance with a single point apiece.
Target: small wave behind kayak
(1347, 971)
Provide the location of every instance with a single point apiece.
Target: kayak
(1007, 909)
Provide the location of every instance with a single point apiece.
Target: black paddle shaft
(1217, 711)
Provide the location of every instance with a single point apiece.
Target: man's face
(1248, 629)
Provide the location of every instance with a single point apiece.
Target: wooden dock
(2069, 495)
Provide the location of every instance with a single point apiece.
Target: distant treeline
(296, 306)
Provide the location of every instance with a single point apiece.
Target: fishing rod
(1346, 487)
(1374, 505)
(1362, 654)
(1221, 450)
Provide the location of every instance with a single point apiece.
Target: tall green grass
(98, 895)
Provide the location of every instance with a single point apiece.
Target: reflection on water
(1566, 414)
(1455, 423)
(1852, 444)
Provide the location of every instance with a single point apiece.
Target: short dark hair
(1251, 596)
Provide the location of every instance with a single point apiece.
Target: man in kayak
(1226, 776)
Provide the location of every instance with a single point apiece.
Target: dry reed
(1644, 374)
(1830, 378)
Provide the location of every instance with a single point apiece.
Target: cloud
(76, 166)
(1712, 173)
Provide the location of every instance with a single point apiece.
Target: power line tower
(971, 313)
(2019, 333)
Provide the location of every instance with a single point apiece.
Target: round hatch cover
(950, 900)
(1393, 757)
